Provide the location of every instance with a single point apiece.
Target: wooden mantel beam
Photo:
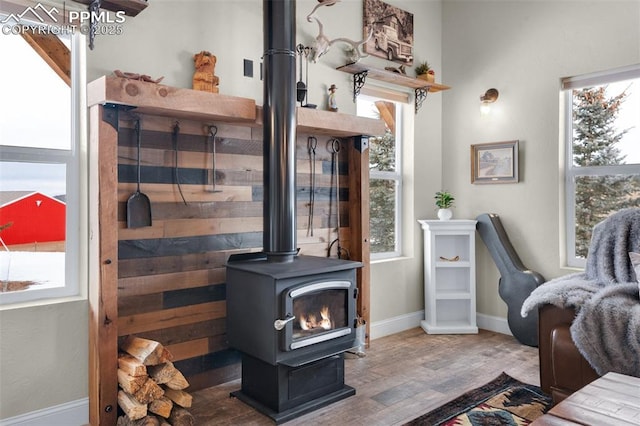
(54, 52)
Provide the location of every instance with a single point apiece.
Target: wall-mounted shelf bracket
(421, 95)
(111, 113)
(358, 81)
(360, 72)
(361, 143)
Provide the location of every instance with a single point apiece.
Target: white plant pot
(445, 214)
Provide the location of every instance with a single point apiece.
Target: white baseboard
(405, 322)
(491, 323)
(395, 325)
(73, 413)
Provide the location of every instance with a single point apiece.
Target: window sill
(390, 259)
(42, 302)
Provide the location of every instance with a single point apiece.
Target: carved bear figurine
(204, 77)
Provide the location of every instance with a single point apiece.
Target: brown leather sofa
(563, 370)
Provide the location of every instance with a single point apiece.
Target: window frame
(395, 176)
(76, 213)
(572, 172)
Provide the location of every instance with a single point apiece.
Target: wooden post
(103, 271)
(359, 223)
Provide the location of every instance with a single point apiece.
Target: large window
(385, 173)
(42, 158)
(602, 152)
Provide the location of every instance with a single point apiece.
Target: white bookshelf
(449, 276)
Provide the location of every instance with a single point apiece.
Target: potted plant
(424, 71)
(444, 202)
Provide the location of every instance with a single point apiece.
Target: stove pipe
(279, 137)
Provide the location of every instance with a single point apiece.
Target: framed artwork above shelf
(361, 72)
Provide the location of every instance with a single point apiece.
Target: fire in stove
(310, 323)
(318, 312)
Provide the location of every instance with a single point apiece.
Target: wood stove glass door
(321, 313)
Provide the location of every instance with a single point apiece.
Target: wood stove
(292, 322)
(292, 317)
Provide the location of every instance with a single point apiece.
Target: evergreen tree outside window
(602, 146)
(385, 177)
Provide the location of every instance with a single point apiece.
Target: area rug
(503, 401)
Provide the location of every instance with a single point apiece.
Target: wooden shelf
(420, 86)
(167, 101)
(393, 77)
(158, 99)
(129, 7)
(336, 124)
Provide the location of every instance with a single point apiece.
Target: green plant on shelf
(444, 199)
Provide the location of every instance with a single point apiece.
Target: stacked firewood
(151, 390)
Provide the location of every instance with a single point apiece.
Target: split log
(131, 407)
(144, 365)
(181, 417)
(131, 365)
(130, 384)
(161, 406)
(149, 391)
(177, 382)
(149, 352)
(166, 356)
(145, 421)
(162, 373)
(180, 397)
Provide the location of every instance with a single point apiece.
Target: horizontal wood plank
(160, 247)
(157, 283)
(185, 333)
(139, 304)
(189, 159)
(190, 228)
(170, 193)
(178, 263)
(153, 126)
(131, 324)
(198, 347)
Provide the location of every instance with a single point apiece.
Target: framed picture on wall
(494, 162)
(391, 31)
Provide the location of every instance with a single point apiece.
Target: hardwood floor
(401, 377)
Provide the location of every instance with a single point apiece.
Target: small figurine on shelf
(333, 105)
(204, 77)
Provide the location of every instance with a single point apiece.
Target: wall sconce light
(489, 97)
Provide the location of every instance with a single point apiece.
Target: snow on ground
(44, 268)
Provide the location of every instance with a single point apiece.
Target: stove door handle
(280, 323)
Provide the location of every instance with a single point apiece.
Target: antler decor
(322, 43)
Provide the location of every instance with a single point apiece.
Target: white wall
(43, 357)
(522, 48)
(397, 286)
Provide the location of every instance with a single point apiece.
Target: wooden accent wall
(166, 282)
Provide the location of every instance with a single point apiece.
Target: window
(602, 152)
(385, 173)
(42, 172)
